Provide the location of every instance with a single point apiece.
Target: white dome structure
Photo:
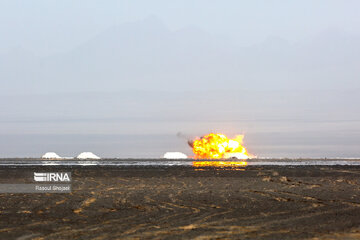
(87, 155)
(175, 155)
(51, 155)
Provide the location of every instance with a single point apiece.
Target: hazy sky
(45, 27)
(288, 69)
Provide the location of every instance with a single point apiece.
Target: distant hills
(141, 77)
(146, 55)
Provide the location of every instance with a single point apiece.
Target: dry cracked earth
(188, 203)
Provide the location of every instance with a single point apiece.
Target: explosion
(216, 146)
(219, 164)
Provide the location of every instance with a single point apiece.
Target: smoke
(182, 135)
(187, 137)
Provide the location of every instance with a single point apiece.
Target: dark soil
(188, 203)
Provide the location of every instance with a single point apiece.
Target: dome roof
(51, 155)
(174, 155)
(87, 155)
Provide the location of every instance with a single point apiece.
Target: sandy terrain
(186, 202)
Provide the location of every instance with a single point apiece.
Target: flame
(216, 146)
(219, 164)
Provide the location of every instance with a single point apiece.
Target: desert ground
(148, 202)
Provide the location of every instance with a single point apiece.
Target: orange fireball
(219, 164)
(217, 146)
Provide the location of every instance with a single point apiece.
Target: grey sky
(288, 69)
(50, 26)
